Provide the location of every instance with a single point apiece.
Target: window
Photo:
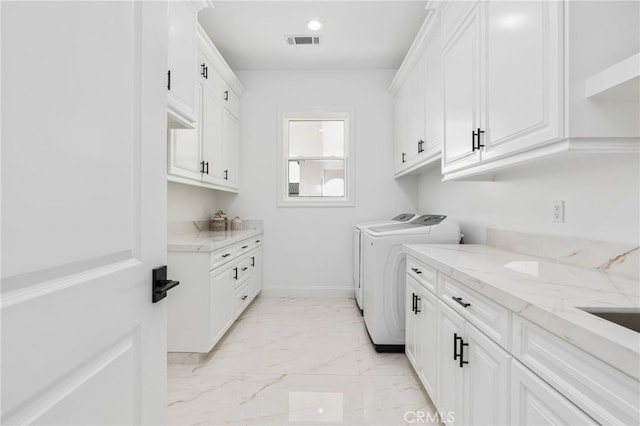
(315, 162)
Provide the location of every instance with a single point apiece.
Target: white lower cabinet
(535, 403)
(473, 373)
(484, 365)
(214, 290)
(421, 333)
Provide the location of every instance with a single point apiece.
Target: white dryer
(384, 265)
(357, 249)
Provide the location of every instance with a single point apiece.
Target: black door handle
(160, 284)
(253, 261)
(417, 311)
(226, 95)
(235, 273)
(226, 175)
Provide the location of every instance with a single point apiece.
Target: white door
(428, 343)
(84, 98)
(450, 326)
(230, 148)
(485, 380)
(461, 82)
(523, 95)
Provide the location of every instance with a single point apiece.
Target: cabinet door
(427, 342)
(450, 325)
(485, 380)
(534, 402)
(256, 271)
(461, 76)
(411, 322)
(182, 57)
(212, 138)
(416, 109)
(184, 154)
(400, 126)
(222, 284)
(523, 99)
(433, 96)
(230, 148)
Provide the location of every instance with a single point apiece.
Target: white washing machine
(357, 249)
(384, 269)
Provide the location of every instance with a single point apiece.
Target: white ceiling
(356, 34)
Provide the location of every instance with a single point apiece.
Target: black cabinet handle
(456, 355)
(235, 273)
(416, 270)
(244, 297)
(245, 268)
(226, 95)
(226, 255)
(418, 299)
(226, 175)
(420, 148)
(160, 284)
(169, 80)
(474, 135)
(462, 302)
(206, 167)
(413, 307)
(244, 247)
(202, 167)
(404, 157)
(257, 241)
(253, 261)
(204, 68)
(462, 361)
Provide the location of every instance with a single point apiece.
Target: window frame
(284, 200)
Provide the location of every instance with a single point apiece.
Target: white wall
(601, 194)
(186, 202)
(310, 248)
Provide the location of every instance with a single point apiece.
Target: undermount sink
(626, 317)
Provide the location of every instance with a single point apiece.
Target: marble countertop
(548, 294)
(205, 240)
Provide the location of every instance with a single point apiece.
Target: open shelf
(620, 81)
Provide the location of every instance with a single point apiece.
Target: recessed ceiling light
(314, 25)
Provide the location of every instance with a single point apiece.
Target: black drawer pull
(257, 241)
(460, 301)
(245, 268)
(235, 273)
(226, 255)
(416, 270)
(417, 311)
(244, 297)
(244, 247)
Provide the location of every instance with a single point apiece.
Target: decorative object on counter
(219, 221)
(236, 224)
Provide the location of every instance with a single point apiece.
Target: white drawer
(488, 316)
(221, 256)
(606, 394)
(425, 275)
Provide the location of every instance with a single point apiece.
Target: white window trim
(282, 173)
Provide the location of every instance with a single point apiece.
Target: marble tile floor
(295, 361)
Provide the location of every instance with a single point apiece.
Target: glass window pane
(316, 138)
(316, 178)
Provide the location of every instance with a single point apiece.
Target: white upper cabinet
(514, 82)
(523, 60)
(208, 155)
(502, 80)
(417, 103)
(461, 81)
(181, 75)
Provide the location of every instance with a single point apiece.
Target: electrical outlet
(558, 211)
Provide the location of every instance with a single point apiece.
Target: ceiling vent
(302, 40)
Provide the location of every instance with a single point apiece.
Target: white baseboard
(308, 292)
